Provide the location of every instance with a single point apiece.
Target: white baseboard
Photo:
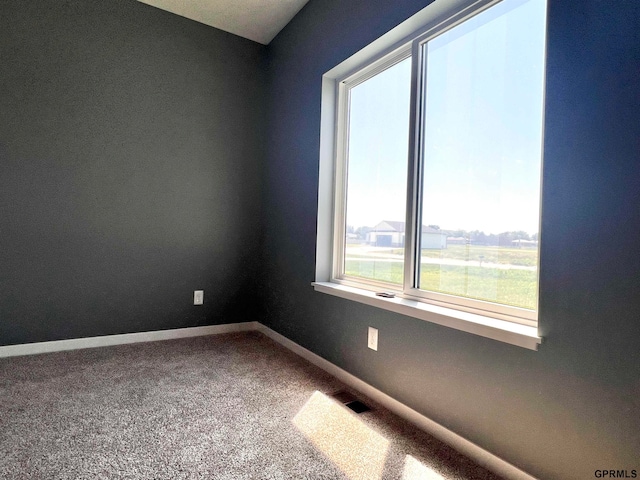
(108, 340)
(462, 445)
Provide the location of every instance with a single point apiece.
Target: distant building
(524, 243)
(391, 234)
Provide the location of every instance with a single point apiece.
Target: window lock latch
(386, 294)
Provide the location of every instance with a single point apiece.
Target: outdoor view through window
(480, 161)
(377, 174)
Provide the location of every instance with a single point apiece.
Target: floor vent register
(350, 401)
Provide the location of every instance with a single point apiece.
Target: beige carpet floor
(235, 406)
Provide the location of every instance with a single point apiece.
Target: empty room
(342, 239)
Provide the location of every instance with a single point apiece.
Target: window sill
(501, 330)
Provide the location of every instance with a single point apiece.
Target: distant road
(378, 254)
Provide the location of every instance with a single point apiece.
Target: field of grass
(515, 287)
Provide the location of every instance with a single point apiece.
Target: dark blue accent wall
(130, 155)
(559, 413)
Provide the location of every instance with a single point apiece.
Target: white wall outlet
(373, 338)
(198, 297)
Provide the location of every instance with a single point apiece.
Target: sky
(482, 139)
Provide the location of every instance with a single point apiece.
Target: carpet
(233, 406)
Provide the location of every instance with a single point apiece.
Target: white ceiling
(257, 20)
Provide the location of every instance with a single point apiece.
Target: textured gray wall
(130, 153)
(559, 413)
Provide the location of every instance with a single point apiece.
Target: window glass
(481, 150)
(377, 152)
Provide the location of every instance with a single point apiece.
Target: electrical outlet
(373, 339)
(198, 297)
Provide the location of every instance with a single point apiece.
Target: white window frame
(509, 324)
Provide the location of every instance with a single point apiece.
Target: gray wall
(130, 152)
(559, 413)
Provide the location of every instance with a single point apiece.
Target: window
(431, 160)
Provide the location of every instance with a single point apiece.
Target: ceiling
(257, 20)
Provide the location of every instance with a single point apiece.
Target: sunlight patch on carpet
(357, 450)
(415, 470)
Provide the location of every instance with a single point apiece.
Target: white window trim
(504, 331)
(394, 43)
